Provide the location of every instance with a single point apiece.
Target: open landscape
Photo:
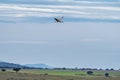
(12, 71)
(59, 39)
(36, 74)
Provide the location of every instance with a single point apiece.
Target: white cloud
(83, 11)
(23, 42)
(87, 2)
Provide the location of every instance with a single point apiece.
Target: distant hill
(39, 66)
(11, 65)
(27, 66)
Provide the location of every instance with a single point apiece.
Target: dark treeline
(107, 69)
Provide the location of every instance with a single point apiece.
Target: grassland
(72, 72)
(58, 75)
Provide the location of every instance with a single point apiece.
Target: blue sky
(89, 36)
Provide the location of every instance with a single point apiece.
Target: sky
(89, 36)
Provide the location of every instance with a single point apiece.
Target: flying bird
(59, 20)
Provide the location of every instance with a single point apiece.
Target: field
(58, 75)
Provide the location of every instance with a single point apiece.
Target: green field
(71, 72)
(57, 75)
